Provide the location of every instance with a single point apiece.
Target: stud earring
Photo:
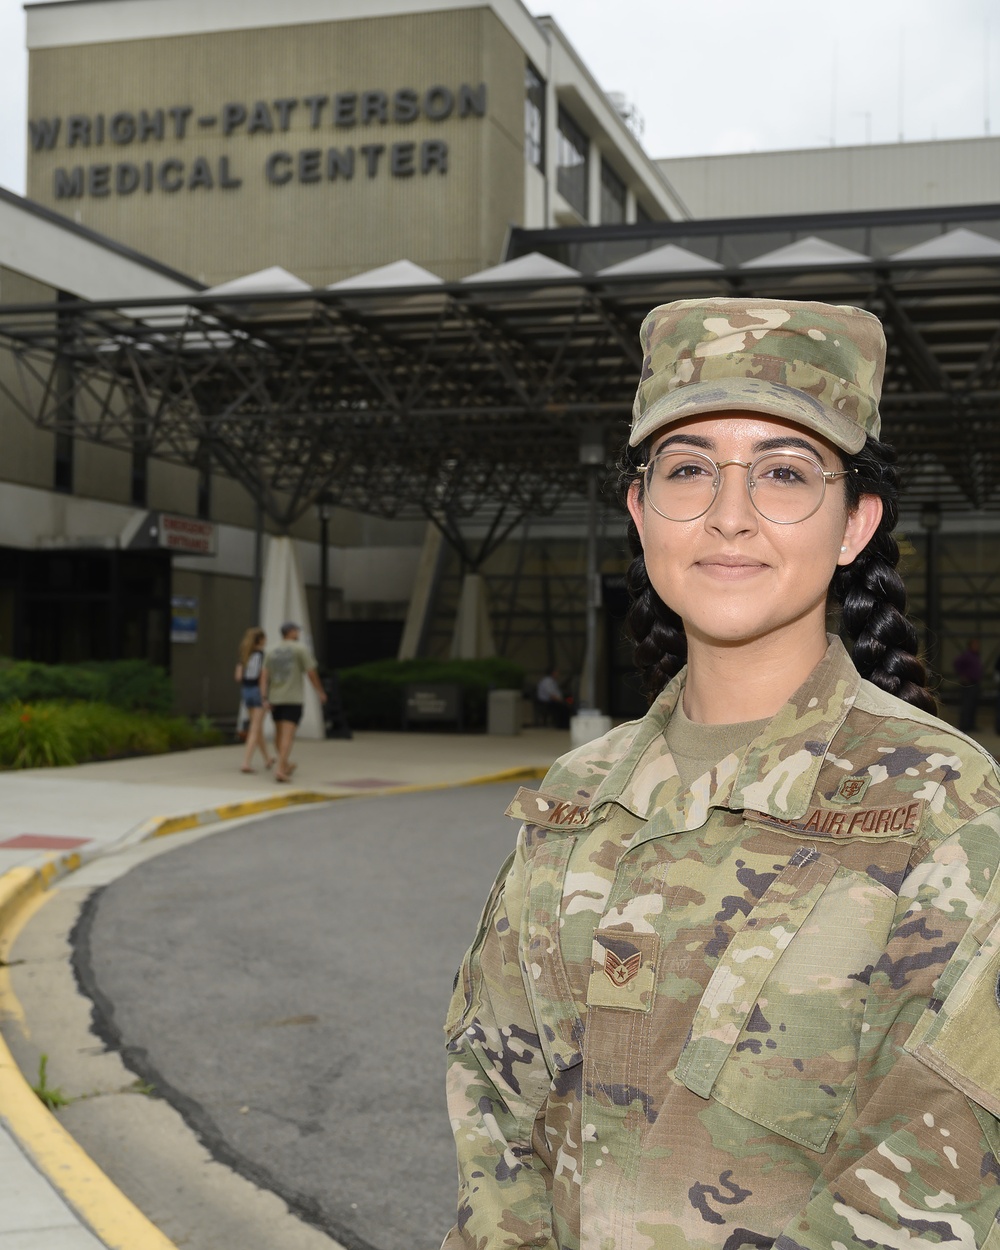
(843, 549)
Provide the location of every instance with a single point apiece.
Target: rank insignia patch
(852, 789)
(621, 971)
(623, 974)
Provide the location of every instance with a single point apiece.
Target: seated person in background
(551, 702)
(969, 671)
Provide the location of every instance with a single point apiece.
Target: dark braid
(660, 649)
(870, 591)
(660, 642)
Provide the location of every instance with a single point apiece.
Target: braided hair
(870, 592)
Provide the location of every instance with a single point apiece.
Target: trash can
(586, 725)
(503, 712)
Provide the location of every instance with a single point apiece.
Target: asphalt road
(283, 984)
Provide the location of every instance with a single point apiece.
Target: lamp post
(258, 561)
(324, 578)
(930, 521)
(592, 458)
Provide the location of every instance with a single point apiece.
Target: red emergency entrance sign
(181, 533)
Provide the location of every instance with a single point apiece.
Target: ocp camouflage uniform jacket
(762, 1012)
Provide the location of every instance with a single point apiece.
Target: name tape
(872, 822)
(546, 810)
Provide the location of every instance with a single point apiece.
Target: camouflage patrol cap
(819, 365)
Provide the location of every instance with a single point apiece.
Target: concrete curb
(98, 1203)
(160, 826)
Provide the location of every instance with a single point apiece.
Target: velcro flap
(962, 1042)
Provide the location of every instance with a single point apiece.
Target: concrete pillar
(422, 596)
(473, 636)
(551, 137)
(594, 185)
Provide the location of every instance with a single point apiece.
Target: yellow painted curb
(17, 887)
(161, 826)
(99, 1203)
(532, 773)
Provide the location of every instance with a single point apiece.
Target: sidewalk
(92, 807)
(52, 820)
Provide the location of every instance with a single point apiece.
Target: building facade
(175, 148)
(930, 174)
(319, 141)
(328, 139)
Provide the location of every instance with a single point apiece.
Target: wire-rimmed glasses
(784, 486)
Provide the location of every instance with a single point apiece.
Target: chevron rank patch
(621, 971)
(624, 970)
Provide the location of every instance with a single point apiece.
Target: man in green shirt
(282, 690)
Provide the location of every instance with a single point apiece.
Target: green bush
(133, 685)
(373, 694)
(25, 681)
(50, 734)
(34, 737)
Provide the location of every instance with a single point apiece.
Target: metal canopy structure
(455, 400)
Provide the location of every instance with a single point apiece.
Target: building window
(572, 164)
(641, 214)
(612, 197)
(534, 117)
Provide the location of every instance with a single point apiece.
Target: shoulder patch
(550, 811)
(861, 822)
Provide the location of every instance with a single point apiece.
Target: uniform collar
(776, 774)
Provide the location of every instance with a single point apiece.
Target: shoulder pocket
(468, 979)
(775, 1037)
(553, 1002)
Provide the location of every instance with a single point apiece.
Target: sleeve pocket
(958, 1040)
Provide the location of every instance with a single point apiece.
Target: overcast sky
(736, 76)
(731, 75)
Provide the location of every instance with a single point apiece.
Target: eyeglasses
(784, 486)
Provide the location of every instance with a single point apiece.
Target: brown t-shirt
(697, 748)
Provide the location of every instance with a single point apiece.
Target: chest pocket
(775, 1036)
